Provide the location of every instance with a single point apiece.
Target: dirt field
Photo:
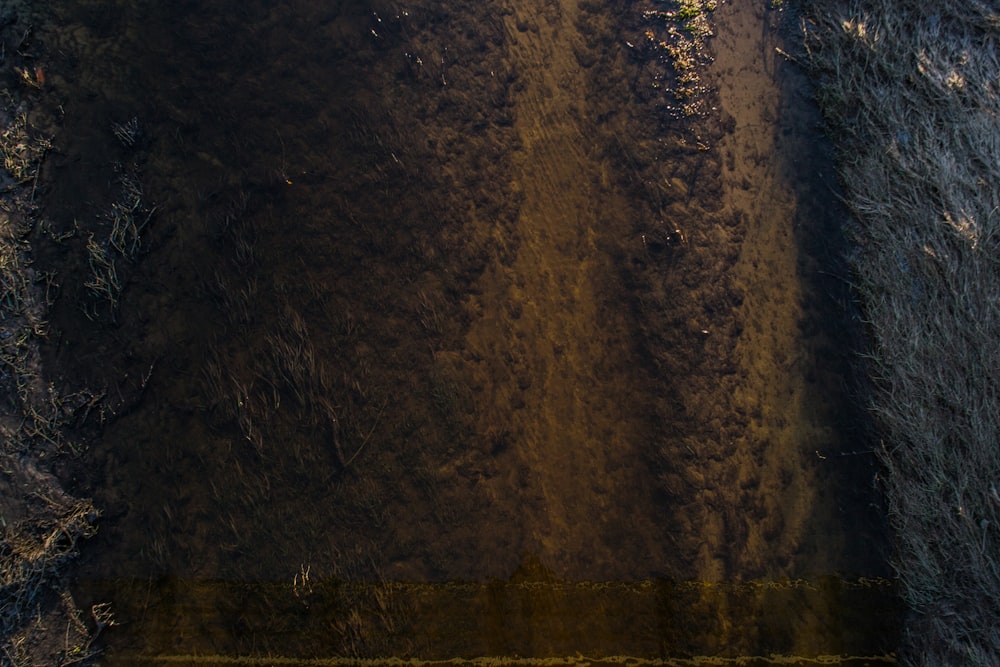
(451, 296)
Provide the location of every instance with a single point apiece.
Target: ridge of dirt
(571, 393)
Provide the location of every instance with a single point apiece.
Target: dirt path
(523, 377)
(556, 361)
(785, 383)
(761, 494)
(441, 350)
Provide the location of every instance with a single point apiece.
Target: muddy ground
(438, 294)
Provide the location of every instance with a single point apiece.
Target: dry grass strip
(911, 91)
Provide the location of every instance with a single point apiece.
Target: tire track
(571, 392)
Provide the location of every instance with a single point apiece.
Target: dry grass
(911, 90)
(675, 33)
(40, 525)
(126, 220)
(38, 539)
(22, 149)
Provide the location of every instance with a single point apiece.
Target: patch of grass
(22, 150)
(911, 91)
(689, 9)
(682, 33)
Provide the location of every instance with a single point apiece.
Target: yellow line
(513, 661)
(734, 586)
(644, 585)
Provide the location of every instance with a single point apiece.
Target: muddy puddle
(440, 331)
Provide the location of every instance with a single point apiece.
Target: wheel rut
(571, 392)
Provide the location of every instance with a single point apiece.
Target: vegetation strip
(497, 661)
(41, 523)
(911, 91)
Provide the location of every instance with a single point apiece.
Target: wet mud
(439, 295)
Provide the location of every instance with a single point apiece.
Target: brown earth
(442, 294)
